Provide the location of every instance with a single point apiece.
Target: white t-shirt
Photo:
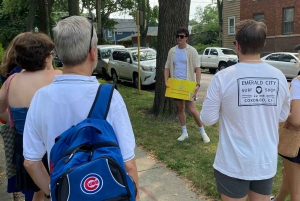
(66, 102)
(248, 100)
(180, 64)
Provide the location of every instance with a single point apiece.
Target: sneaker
(272, 198)
(205, 138)
(182, 137)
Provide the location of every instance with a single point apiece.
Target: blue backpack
(86, 161)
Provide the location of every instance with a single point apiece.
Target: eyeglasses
(92, 28)
(180, 36)
(234, 42)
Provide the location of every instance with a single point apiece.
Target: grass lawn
(192, 159)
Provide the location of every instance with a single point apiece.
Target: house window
(109, 33)
(259, 17)
(231, 25)
(119, 32)
(288, 20)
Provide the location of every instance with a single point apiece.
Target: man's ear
(93, 53)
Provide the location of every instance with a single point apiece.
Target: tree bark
(144, 7)
(73, 6)
(44, 19)
(220, 16)
(169, 22)
(99, 22)
(31, 15)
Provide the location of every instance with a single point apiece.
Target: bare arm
(294, 116)
(198, 78)
(3, 105)
(167, 75)
(131, 169)
(39, 174)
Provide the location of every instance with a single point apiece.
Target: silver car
(123, 66)
(104, 52)
(287, 62)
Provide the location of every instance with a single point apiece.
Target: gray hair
(72, 39)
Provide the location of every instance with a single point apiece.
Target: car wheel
(114, 76)
(104, 74)
(136, 81)
(212, 70)
(222, 66)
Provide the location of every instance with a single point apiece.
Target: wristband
(197, 85)
(47, 196)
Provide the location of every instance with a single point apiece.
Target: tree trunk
(73, 6)
(31, 15)
(99, 22)
(44, 19)
(220, 16)
(144, 7)
(169, 22)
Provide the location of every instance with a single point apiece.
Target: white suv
(123, 66)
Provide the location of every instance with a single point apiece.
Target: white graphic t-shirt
(248, 101)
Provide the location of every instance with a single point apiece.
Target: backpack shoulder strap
(101, 105)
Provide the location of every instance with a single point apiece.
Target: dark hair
(183, 30)
(9, 58)
(251, 36)
(32, 49)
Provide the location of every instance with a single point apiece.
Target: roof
(152, 31)
(125, 25)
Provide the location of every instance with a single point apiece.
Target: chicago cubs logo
(91, 183)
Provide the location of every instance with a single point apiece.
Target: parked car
(287, 62)
(123, 66)
(104, 52)
(57, 62)
(217, 58)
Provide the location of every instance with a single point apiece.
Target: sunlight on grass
(192, 158)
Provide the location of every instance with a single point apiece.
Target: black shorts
(238, 188)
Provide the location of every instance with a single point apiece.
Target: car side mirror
(293, 61)
(128, 60)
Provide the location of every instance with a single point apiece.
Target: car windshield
(227, 52)
(105, 53)
(145, 55)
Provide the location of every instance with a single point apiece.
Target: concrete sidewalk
(156, 183)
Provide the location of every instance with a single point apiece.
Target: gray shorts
(238, 188)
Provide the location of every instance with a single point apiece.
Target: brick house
(281, 17)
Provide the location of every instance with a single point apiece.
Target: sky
(194, 4)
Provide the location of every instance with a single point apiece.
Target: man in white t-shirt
(248, 99)
(68, 100)
(183, 63)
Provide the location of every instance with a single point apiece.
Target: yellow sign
(180, 89)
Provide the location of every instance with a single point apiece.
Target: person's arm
(3, 105)
(39, 174)
(166, 75)
(294, 116)
(198, 78)
(4, 116)
(211, 106)
(131, 169)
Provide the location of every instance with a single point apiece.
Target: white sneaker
(205, 138)
(272, 198)
(182, 137)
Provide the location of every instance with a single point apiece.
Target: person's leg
(258, 197)
(260, 190)
(193, 110)
(182, 119)
(284, 190)
(292, 171)
(226, 198)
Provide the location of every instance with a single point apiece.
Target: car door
(289, 68)
(126, 67)
(205, 58)
(273, 60)
(212, 58)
